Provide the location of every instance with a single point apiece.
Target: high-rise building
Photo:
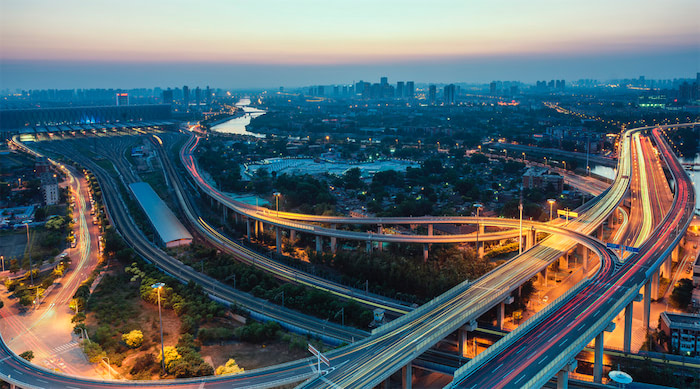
(432, 94)
(186, 97)
(207, 99)
(320, 90)
(384, 81)
(399, 89)
(122, 98)
(197, 96)
(448, 93)
(410, 89)
(492, 87)
(168, 96)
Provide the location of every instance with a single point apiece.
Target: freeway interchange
(371, 360)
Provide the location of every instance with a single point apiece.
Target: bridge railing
(563, 358)
(512, 336)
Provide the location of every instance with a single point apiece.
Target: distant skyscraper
(336, 90)
(186, 97)
(207, 98)
(168, 96)
(432, 94)
(197, 96)
(384, 81)
(410, 89)
(122, 98)
(320, 90)
(492, 87)
(399, 89)
(449, 94)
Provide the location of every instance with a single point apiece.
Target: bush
(143, 363)
(133, 339)
(93, 351)
(28, 355)
(257, 332)
(214, 334)
(231, 367)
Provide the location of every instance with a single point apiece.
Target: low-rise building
(541, 178)
(683, 332)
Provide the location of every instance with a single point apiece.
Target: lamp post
(29, 250)
(157, 286)
(551, 203)
(478, 207)
(2, 257)
(277, 202)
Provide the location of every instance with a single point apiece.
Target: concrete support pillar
(247, 228)
(647, 305)
(319, 244)
(407, 376)
(334, 245)
(598, 356)
(380, 230)
(598, 359)
(369, 246)
(462, 341)
(530, 239)
(674, 254)
(563, 379)
(480, 250)
(611, 219)
(430, 230)
(257, 228)
(235, 216)
(292, 236)
(585, 260)
(564, 262)
(627, 342)
(225, 213)
(543, 277)
(668, 265)
(425, 252)
(501, 314)
(629, 315)
(563, 375)
(600, 232)
(278, 239)
(655, 285)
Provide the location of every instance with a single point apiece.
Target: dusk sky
(245, 44)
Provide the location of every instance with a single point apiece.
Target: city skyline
(271, 43)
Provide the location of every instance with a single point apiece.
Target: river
(238, 124)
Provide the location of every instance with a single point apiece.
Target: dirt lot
(252, 356)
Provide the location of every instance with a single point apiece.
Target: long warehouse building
(169, 229)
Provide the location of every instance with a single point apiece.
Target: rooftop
(168, 227)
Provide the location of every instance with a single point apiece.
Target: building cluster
(682, 331)
(542, 179)
(49, 182)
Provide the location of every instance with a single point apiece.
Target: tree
(133, 339)
(351, 178)
(28, 355)
(93, 351)
(171, 355)
(231, 367)
(682, 294)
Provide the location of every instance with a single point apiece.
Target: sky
(268, 43)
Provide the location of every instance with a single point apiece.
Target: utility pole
(520, 236)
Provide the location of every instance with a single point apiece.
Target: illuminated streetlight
(551, 203)
(277, 202)
(29, 250)
(157, 286)
(478, 207)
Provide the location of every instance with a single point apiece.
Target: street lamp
(551, 203)
(478, 207)
(277, 202)
(29, 250)
(157, 286)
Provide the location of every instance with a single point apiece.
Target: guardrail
(512, 336)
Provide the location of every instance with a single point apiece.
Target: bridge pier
(292, 236)
(598, 357)
(235, 217)
(502, 311)
(668, 265)
(257, 227)
(600, 233)
(564, 262)
(319, 244)
(463, 337)
(585, 260)
(334, 245)
(543, 276)
(629, 315)
(529, 239)
(655, 285)
(247, 228)
(425, 252)
(369, 246)
(225, 213)
(278, 239)
(563, 375)
(407, 376)
(647, 305)
(380, 230)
